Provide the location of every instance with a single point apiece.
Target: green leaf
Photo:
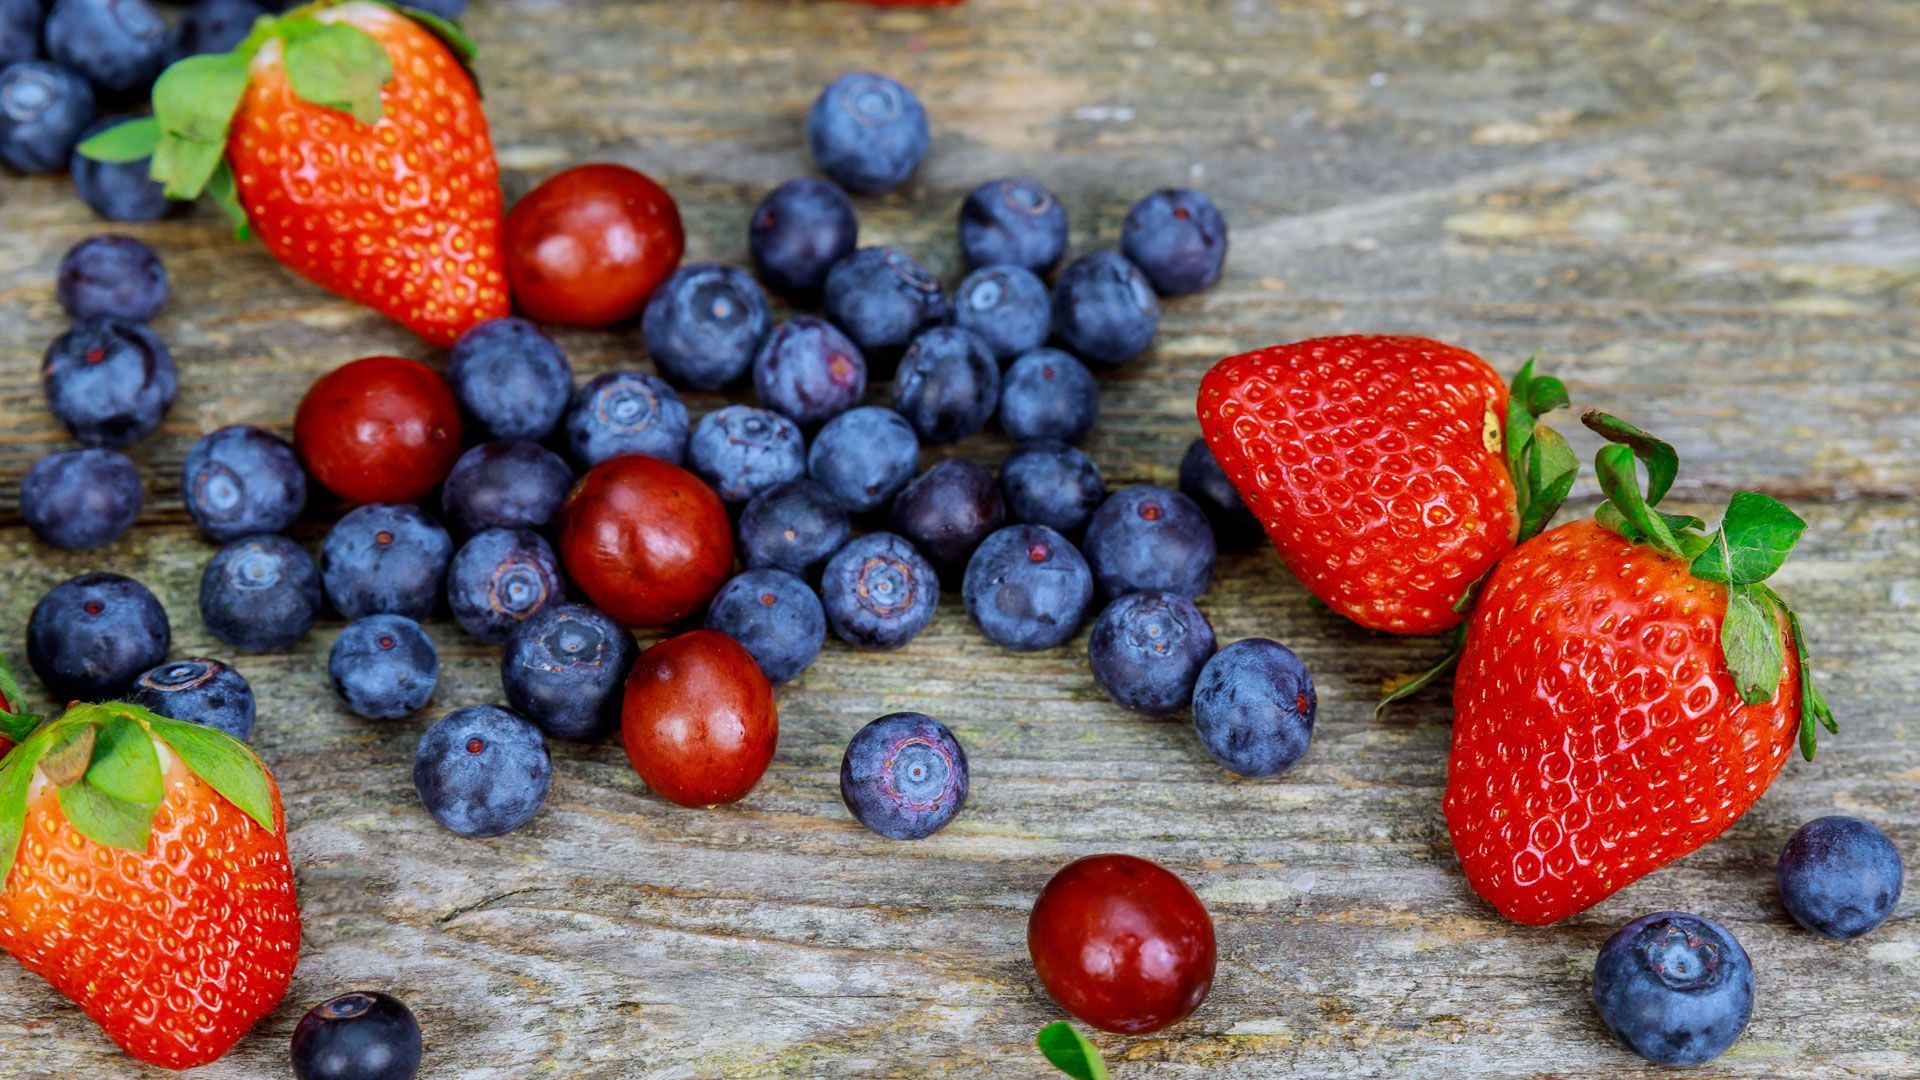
(16, 779)
(1760, 533)
(69, 753)
(10, 689)
(1815, 713)
(221, 760)
(1614, 465)
(183, 166)
(1545, 394)
(1551, 470)
(133, 140)
(340, 67)
(1750, 641)
(1678, 522)
(226, 195)
(125, 764)
(1660, 458)
(196, 98)
(1713, 562)
(104, 819)
(1519, 441)
(1070, 1052)
(448, 31)
(1611, 519)
(17, 726)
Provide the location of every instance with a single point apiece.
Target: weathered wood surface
(1703, 215)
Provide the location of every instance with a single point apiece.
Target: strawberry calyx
(14, 726)
(1071, 1052)
(1755, 535)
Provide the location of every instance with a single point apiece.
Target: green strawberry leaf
(196, 98)
(1620, 480)
(340, 67)
(1750, 641)
(104, 819)
(1815, 713)
(1070, 1052)
(1760, 533)
(1551, 470)
(222, 761)
(125, 764)
(16, 780)
(9, 689)
(69, 752)
(226, 195)
(1660, 458)
(183, 167)
(133, 140)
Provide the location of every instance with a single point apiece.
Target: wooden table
(1702, 215)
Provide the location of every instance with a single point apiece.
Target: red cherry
(1122, 944)
(379, 430)
(646, 540)
(589, 245)
(698, 719)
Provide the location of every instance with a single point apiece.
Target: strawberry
(1629, 686)
(1390, 472)
(146, 877)
(349, 138)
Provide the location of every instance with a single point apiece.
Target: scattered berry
(215, 26)
(1253, 706)
(948, 384)
(1015, 221)
(482, 771)
(793, 527)
(20, 29)
(775, 617)
(505, 484)
(589, 245)
(863, 456)
(43, 109)
(1840, 877)
(879, 592)
(1027, 587)
(1122, 943)
(384, 667)
(1202, 480)
(867, 132)
(809, 371)
(1007, 307)
(904, 776)
(883, 299)
(1051, 484)
(112, 277)
(241, 480)
(76, 499)
(1150, 538)
(387, 558)
(1048, 394)
(626, 412)
(705, 324)
(380, 429)
(500, 578)
(365, 1035)
(698, 719)
(91, 635)
(1178, 240)
(118, 190)
(512, 379)
(563, 669)
(119, 45)
(109, 382)
(742, 451)
(199, 691)
(646, 540)
(798, 232)
(947, 510)
(1677, 989)
(1146, 651)
(1104, 309)
(260, 593)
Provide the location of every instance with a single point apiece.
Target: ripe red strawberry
(1390, 472)
(146, 877)
(1628, 688)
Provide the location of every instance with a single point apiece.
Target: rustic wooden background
(1702, 214)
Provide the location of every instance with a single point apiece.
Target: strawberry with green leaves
(1629, 686)
(347, 136)
(146, 877)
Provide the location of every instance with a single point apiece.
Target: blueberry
(798, 232)
(77, 499)
(1027, 587)
(112, 277)
(1150, 538)
(215, 26)
(705, 324)
(482, 771)
(505, 484)
(1202, 480)
(1677, 989)
(863, 456)
(1013, 220)
(118, 45)
(904, 776)
(1840, 877)
(947, 510)
(384, 667)
(1051, 484)
(20, 29)
(500, 578)
(1178, 240)
(199, 691)
(118, 190)
(879, 592)
(1104, 309)
(241, 480)
(1253, 706)
(948, 384)
(365, 1035)
(1047, 394)
(793, 527)
(775, 617)
(260, 593)
(883, 299)
(626, 412)
(91, 635)
(741, 451)
(385, 558)
(810, 371)
(109, 382)
(564, 669)
(1146, 651)
(511, 378)
(446, 9)
(43, 109)
(867, 132)
(1007, 306)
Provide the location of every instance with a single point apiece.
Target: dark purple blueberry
(20, 29)
(505, 484)
(1178, 239)
(883, 299)
(1104, 309)
(118, 190)
(947, 510)
(1146, 651)
(904, 776)
(112, 277)
(948, 384)
(793, 527)
(1150, 538)
(109, 382)
(499, 579)
(1027, 587)
(741, 451)
(1675, 988)
(215, 26)
(241, 480)
(867, 132)
(78, 499)
(863, 456)
(626, 412)
(511, 378)
(482, 771)
(879, 592)
(705, 324)
(385, 558)
(92, 635)
(809, 371)
(199, 691)
(1048, 394)
(446, 9)
(564, 669)
(1007, 307)
(1840, 877)
(1051, 484)
(1013, 220)
(775, 617)
(365, 1035)
(1253, 706)
(384, 667)
(44, 108)
(798, 232)
(260, 593)
(118, 45)
(1202, 480)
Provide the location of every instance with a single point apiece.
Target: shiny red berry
(647, 541)
(379, 430)
(698, 719)
(589, 245)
